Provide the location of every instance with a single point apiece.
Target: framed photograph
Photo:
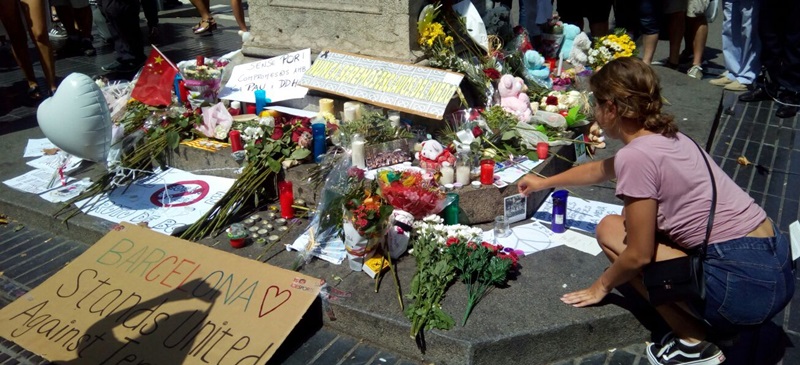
(514, 207)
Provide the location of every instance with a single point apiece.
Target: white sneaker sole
(714, 360)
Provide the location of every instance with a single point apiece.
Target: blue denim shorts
(748, 281)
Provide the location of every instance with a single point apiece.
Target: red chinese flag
(156, 80)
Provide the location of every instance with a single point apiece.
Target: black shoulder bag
(681, 279)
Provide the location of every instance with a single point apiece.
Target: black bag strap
(713, 199)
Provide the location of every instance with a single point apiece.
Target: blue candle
(177, 87)
(559, 219)
(261, 100)
(318, 131)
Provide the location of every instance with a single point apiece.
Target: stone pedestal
(380, 28)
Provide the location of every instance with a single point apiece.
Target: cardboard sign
(166, 201)
(278, 76)
(140, 297)
(413, 89)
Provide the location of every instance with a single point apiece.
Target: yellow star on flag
(158, 59)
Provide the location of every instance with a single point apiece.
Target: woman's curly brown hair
(633, 86)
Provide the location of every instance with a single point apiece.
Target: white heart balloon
(76, 119)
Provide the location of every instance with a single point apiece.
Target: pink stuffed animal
(513, 97)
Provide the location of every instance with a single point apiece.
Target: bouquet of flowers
(480, 266)
(411, 192)
(611, 47)
(202, 78)
(366, 209)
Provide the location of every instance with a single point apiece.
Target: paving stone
(311, 348)
(336, 351)
(595, 359)
(362, 354)
(623, 358)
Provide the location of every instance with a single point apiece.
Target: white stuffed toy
(433, 154)
(513, 97)
(579, 55)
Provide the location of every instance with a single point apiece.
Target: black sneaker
(123, 67)
(88, 47)
(675, 352)
(757, 94)
(790, 101)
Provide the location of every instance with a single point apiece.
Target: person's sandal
(34, 93)
(205, 25)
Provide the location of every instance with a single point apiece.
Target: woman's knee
(610, 231)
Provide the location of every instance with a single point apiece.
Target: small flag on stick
(154, 86)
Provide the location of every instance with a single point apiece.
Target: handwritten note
(578, 241)
(583, 215)
(36, 147)
(35, 181)
(278, 76)
(53, 162)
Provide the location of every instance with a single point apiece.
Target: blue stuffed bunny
(570, 32)
(537, 71)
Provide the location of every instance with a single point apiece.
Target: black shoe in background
(759, 93)
(123, 66)
(88, 47)
(789, 108)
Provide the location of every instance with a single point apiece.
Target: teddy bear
(579, 55)
(433, 154)
(537, 70)
(513, 97)
(570, 32)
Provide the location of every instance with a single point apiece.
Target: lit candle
(236, 140)
(357, 152)
(286, 199)
(487, 172)
(326, 106)
(462, 175)
(447, 174)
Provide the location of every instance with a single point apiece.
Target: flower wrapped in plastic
(409, 191)
(203, 79)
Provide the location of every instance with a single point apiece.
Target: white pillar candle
(560, 63)
(349, 114)
(394, 118)
(357, 154)
(447, 174)
(462, 175)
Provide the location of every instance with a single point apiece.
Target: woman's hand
(582, 298)
(530, 183)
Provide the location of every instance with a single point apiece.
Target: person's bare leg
(36, 14)
(238, 13)
(649, 43)
(15, 27)
(611, 237)
(676, 27)
(202, 8)
(698, 28)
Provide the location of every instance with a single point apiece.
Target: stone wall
(380, 28)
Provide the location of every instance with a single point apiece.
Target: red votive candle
(184, 91)
(286, 197)
(236, 140)
(487, 172)
(237, 242)
(201, 60)
(541, 149)
(250, 108)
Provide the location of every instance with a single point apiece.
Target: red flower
(551, 100)
(512, 256)
(491, 73)
(477, 131)
(277, 133)
(564, 113)
(490, 246)
(451, 241)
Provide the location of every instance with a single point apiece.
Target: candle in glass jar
(487, 172)
(447, 174)
(286, 199)
(394, 118)
(462, 175)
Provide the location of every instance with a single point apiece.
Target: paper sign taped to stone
(141, 297)
(413, 89)
(277, 76)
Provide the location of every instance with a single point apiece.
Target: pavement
(537, 330)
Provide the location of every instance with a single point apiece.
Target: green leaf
(509, 135)
(300, 154)
(274, 165)
(173, 139)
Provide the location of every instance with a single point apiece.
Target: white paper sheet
(53, 162)
(277, 76)
(64, 193)
(513, 173)
(35, 181)
(583, 215)
(530, 238)
(36, 147)
(331, 251)
(578, 241)
(166, 201)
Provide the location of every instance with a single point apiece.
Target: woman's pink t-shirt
(672, 172)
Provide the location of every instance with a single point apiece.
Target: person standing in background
(76, 18)
(741, 46)
(696, 36)
(123, 22)
(35, 12)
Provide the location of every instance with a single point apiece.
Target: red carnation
(551, 100)
(491, 73)
(451, 241)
